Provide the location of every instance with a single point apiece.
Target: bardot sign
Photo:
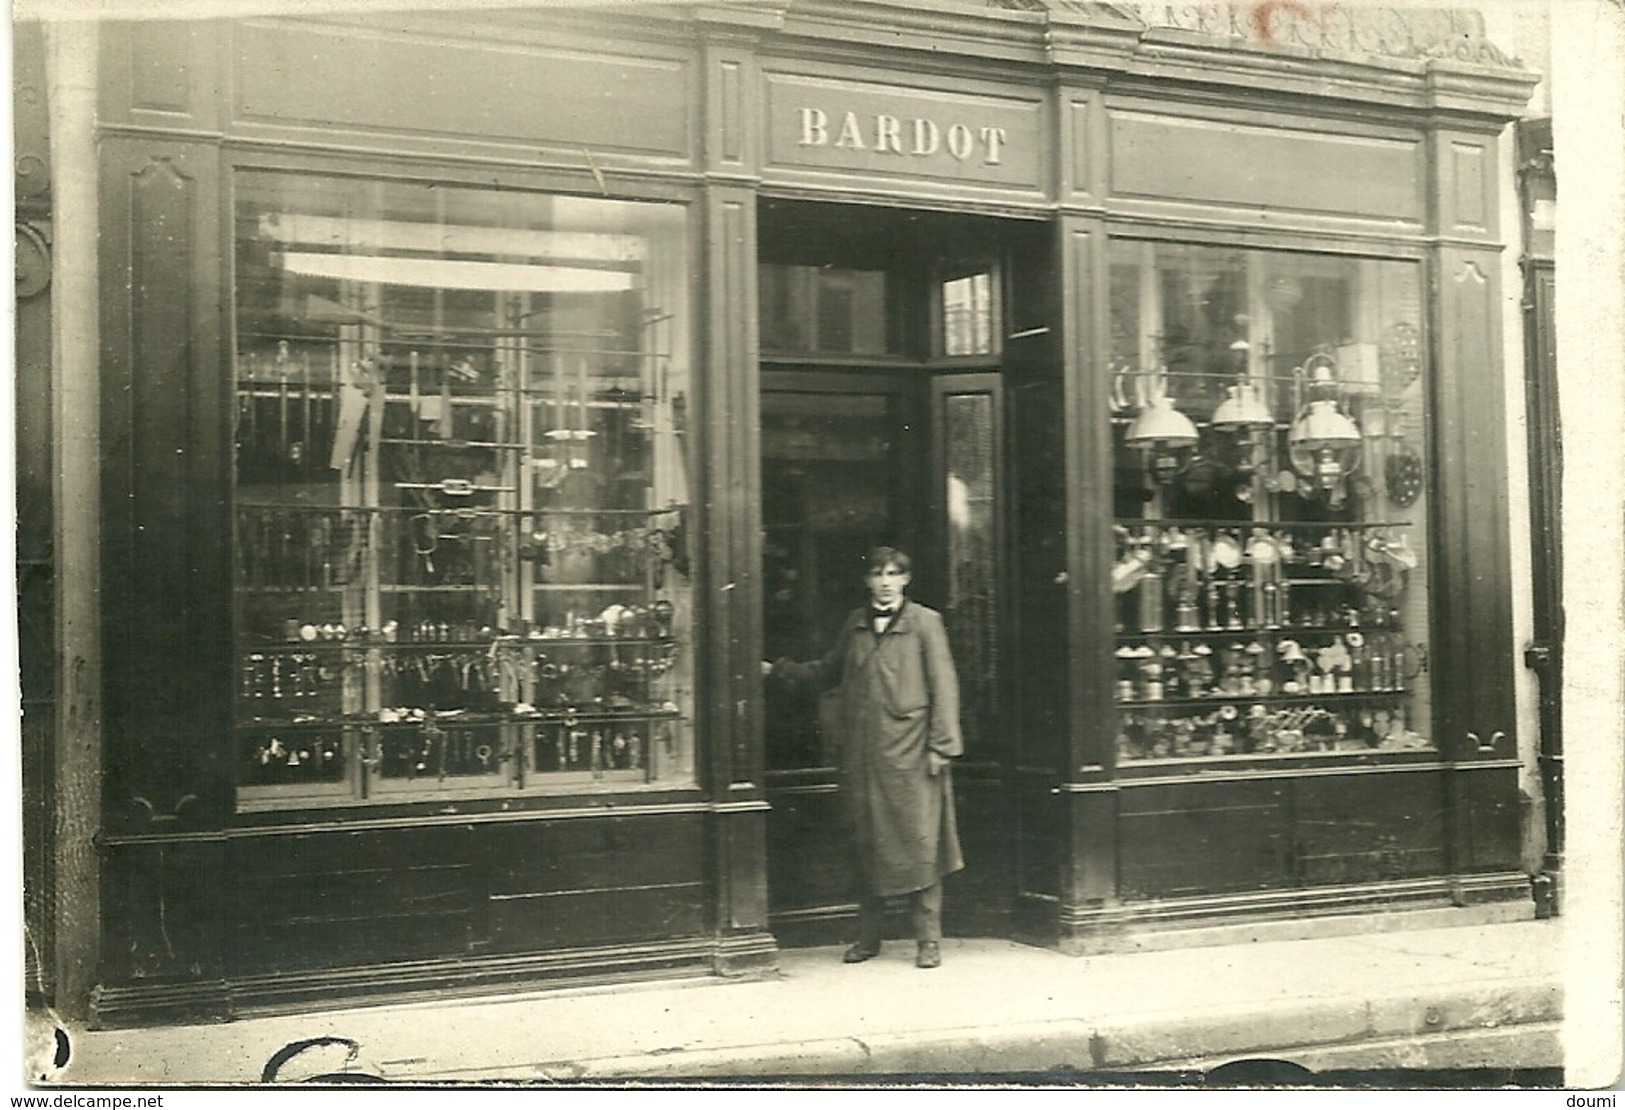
(918, 137)
(895, 131)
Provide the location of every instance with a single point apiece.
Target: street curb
(1320, 1030)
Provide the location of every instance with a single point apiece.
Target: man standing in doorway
(898, 711)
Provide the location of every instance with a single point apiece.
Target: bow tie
(882, 614)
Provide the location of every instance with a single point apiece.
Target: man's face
(886, 585)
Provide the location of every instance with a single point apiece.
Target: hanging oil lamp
(1165, 434)
(1324, 444)
(1244, 416)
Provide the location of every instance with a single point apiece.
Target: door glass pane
(1269, 428)
(830, 483)
(461, 492)
(972, 614)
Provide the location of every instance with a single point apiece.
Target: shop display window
(1269, 428)
(462, 493)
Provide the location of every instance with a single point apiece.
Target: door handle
(1495, 738)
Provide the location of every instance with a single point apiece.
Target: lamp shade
(1241, 409)
(1162, 424)
(1322, 426)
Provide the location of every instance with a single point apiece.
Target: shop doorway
(851, 460)
(882, 422)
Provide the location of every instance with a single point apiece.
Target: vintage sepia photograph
(817, 544)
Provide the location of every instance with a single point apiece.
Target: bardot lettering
(887, 134)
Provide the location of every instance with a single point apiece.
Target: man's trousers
(924, 912)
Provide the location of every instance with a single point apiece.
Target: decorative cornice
(1317, 25)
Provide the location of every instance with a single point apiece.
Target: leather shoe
(860, 952)
(929, 955)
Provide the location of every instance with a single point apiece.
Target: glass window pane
(830, 492)
(972, 613)
(967, 315)
(827, 310)
(1269, 428)
(461, 492)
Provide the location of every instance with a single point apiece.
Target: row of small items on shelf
(1347, 663)
(301, 548)
(1213, 579)
(502, 714)
(1265, 730)
(431, 748)
(277, 677)
(614, 622)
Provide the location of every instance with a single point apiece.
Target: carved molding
(33, 259)
(1317, 25)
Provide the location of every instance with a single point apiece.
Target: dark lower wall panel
(1177, 839)
(1040, 835)
(809, 862)
(593, 853)
(596, 917)
(1285, 831)
(1495, 809)
(38, 820)
(197, 927)
(1368, 828)
(977, 900)
(335, 899)
(162, 909)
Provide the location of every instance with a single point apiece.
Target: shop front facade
(480, 400)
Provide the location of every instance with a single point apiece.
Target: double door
(852, 459)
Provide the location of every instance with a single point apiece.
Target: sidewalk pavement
(1480, 996)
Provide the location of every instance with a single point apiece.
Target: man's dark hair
(881, 556)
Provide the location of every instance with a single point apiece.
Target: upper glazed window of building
(826, 310)
(969, 319)
(462, 493)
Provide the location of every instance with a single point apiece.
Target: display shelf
(459, 719)
(1261, 699)
(1187, 523)
(1204, 634)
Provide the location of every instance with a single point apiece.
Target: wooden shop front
(482, 399)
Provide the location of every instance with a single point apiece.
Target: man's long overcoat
(896, 698)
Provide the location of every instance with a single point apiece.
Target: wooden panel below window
(593, 854)
(592, 918)
(341, 899)
(1366, 828)
(1196, 839)
(1495, 812)
(161, 911)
